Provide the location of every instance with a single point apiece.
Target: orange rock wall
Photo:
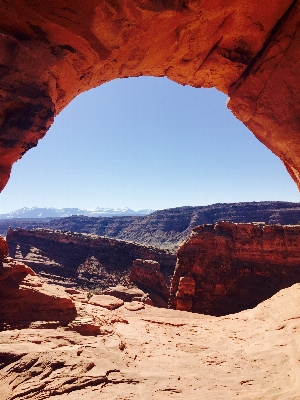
(226, 267)
(52, 51)
(147, 273)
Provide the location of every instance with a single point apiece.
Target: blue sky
(146, 143)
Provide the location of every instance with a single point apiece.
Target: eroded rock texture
(87, 260)
(147, 274)
(157, 354)
(25, 298)
(225, 268)
(52, 51)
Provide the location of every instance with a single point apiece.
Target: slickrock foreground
(111, 349)
(52, 51)
(157, 354)
(226, 267)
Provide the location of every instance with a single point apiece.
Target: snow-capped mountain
(50, 212)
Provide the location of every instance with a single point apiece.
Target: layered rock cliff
(51, 52)
(225, 268)
(87, 260)
(147, 273)
(167, 228)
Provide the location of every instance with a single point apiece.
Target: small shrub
(89, 295)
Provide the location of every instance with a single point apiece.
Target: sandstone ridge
(51, 53)
(225, 268)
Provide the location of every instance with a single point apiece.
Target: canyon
(221, 268)
(91, 262)
(166, 228)
(56, 341)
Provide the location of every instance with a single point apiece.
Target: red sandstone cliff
(51, 52)
(225, 268)
(147, 273)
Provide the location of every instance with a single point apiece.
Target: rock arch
(52, 51)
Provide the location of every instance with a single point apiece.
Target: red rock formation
(88, 259)
(128, 294)
(147, 274)
(25, 297)
(225, 268)
(3, 249)
(157, 354)
(106, 301)
(51, 52)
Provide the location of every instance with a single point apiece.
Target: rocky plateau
(166, 228)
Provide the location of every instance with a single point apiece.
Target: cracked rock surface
(158, 354)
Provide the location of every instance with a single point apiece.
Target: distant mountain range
(164, 228)
(50, 212)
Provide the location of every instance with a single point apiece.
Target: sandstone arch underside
(53, 50)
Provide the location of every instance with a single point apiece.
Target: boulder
(126, 294)
(106, 301)
(135, 306)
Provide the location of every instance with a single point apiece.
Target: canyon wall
(226, 267)
(86, 260)
(51, 52)
(147, 274)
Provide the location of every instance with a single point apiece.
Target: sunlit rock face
(25, 298)
(225, 268)
(52, 51)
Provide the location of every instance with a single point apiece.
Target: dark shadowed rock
(86, 260)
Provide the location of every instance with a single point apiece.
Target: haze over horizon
(146, 143)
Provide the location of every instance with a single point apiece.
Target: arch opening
(250, 52)
(146, 143)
